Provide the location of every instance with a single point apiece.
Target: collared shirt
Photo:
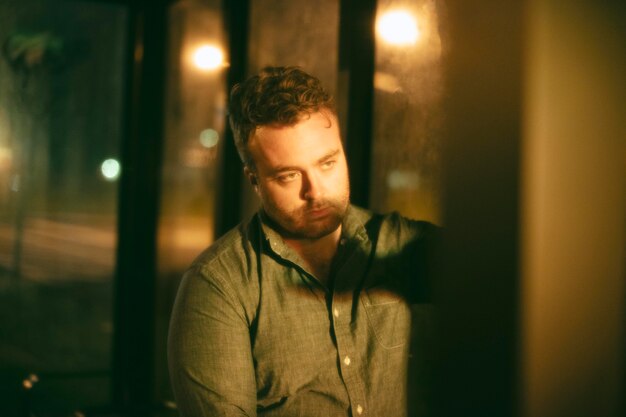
(253, 332)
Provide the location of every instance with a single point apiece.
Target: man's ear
(252, 177)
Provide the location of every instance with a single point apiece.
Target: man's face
(301, 175)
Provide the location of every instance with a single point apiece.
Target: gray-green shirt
(254, 333)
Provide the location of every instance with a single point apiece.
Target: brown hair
(275, 96)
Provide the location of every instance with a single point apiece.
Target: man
(304, 310)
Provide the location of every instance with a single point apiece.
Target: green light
(110, 169)
(209, 138)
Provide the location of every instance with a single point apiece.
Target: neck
(317, 253)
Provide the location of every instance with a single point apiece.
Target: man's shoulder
(226, 271)
(231, 253)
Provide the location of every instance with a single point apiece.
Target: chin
(316, 231)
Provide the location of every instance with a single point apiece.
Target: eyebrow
(329, 155)
(283, 168)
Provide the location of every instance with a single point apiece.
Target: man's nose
(311, 187)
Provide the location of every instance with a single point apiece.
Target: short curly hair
(278, 96)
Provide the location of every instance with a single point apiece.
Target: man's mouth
(316, 212)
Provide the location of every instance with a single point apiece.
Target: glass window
(305, 34)
(195, 109)
(61, 98)
(407, 109)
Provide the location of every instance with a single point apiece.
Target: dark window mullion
(133, 346)
(229, 209)
(356, 58)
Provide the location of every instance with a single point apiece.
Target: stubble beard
(301, 223)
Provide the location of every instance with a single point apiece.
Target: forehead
(298, 145)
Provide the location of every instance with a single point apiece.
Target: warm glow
(5, 158)
(208, 57)
(398, 27)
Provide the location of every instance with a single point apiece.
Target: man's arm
(209, 351)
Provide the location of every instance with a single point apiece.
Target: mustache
(320, 205)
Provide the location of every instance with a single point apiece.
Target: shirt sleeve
(209, 350)
(425, 256)
(412, 251)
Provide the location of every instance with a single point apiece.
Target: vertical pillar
(476, 296)
(133, 350)
(356, 62)
(574, 245)
(228, 208)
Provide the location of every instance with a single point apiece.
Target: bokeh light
(208, 57)
(209, 138)
(110, 169)
(398, 27)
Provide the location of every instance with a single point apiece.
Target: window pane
(194, 129)
(61, 90)
(407, 109)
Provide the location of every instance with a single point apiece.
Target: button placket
(349, 368)
(347, 277)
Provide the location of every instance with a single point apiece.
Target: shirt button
(336, 312)
(359, 409)
(346, 360)
(343, 241)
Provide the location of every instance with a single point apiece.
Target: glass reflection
(407, 107)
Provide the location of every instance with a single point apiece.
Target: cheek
(281, 197)
(341, 177)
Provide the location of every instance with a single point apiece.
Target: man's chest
(304, 332)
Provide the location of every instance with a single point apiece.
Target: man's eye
(328, 164)
(287, 177)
